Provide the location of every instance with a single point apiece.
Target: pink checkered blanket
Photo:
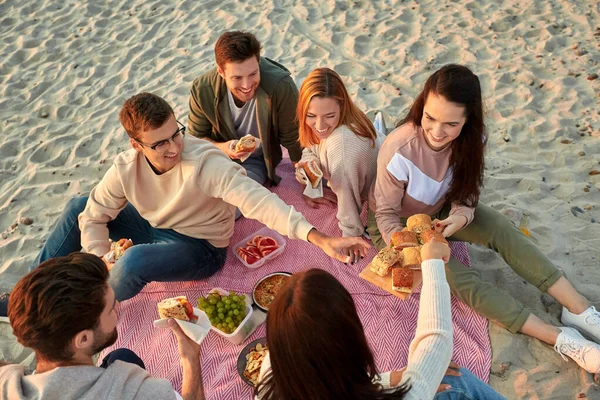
(389, 322)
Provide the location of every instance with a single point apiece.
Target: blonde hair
(325, 82)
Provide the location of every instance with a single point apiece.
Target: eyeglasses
(162, 146)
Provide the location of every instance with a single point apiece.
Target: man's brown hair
(60, 298)
(144, 112)
(236, 46)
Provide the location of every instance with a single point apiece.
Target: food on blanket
(402, 279)
(259, 247)
(178, 308)
(313, 173)
(267, 288)
(254, 361)
(412, 257)
(224, 312)
(404, 239)
(246, 144)
(118, 248)
(432, 236)
(384, 260)
(419, 223)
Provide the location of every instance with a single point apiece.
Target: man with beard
(65, 311)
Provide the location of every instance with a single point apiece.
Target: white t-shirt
(245, 120)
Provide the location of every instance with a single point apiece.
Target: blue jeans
(122, 354)
(161, 255)
(256, 169)
(467, 387)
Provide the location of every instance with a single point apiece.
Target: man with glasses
(175, 197)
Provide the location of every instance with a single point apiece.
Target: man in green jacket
(246, 94)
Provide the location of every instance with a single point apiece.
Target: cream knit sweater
(349, 163)
(196, 198)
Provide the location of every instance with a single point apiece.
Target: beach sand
(67, 66)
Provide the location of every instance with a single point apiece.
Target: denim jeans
(122, 354)
(256, 169)
(467, 387)
(161, 255)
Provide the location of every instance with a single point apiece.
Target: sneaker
(588, 322)
(585, 353)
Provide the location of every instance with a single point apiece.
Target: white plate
(196, 331)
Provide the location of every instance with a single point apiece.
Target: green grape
(220, 310)
(228, 306)
(232, 293)
(236, 298)
(220, 304)
(219, 325)
(236, 312)
(213, 301)
(227, 301)
(243, 297)
(234, 306)
(209, 310)
(221, 315)
(228, 319)
(231, 325)
(229, 313)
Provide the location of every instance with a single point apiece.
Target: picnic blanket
(389, 322)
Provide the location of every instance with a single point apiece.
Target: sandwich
(432, 236)
(411, 257)
(383, 261)
(246, 144)
(118, 248)
(419, 223)
(178, 308)
(404, 239)
(402, 280)
(313, 173)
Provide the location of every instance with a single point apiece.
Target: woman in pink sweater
(433, 163)
(342, 141)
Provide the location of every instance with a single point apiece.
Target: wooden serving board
(385, 282)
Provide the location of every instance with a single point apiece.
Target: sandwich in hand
(404, 239)
(313, 173)
(178, 308)
(402, 280)
(117, 249)
(246, 144)
(411, 257)
(383, 261)
(432, 236)
(419, 223)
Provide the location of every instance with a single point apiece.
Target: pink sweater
(411, 179)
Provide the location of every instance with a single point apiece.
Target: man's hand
(229, 149)
(329, 199)
(338, 247)
(188, 349)
(450, 225)
(109, 265)
(453, 370)
(435, 251)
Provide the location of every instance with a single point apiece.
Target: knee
(76, 205)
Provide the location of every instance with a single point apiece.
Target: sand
(66, 67)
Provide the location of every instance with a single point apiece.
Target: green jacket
(276, 100)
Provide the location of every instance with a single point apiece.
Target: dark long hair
(458, 84)
(317, 345)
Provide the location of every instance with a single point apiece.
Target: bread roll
(173, 308)
(246, 144)
(419, 223)
(404, 239)
(384, 260)
(313, 173)
(432, 236)
(412, 257)
(402, 280)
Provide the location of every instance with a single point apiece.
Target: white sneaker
(585, 353)
(588, 322)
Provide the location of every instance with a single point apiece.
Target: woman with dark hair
(433, 163)
(318, 349)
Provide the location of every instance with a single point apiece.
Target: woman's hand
(435, 251)
(338, 247)
(450, 225)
